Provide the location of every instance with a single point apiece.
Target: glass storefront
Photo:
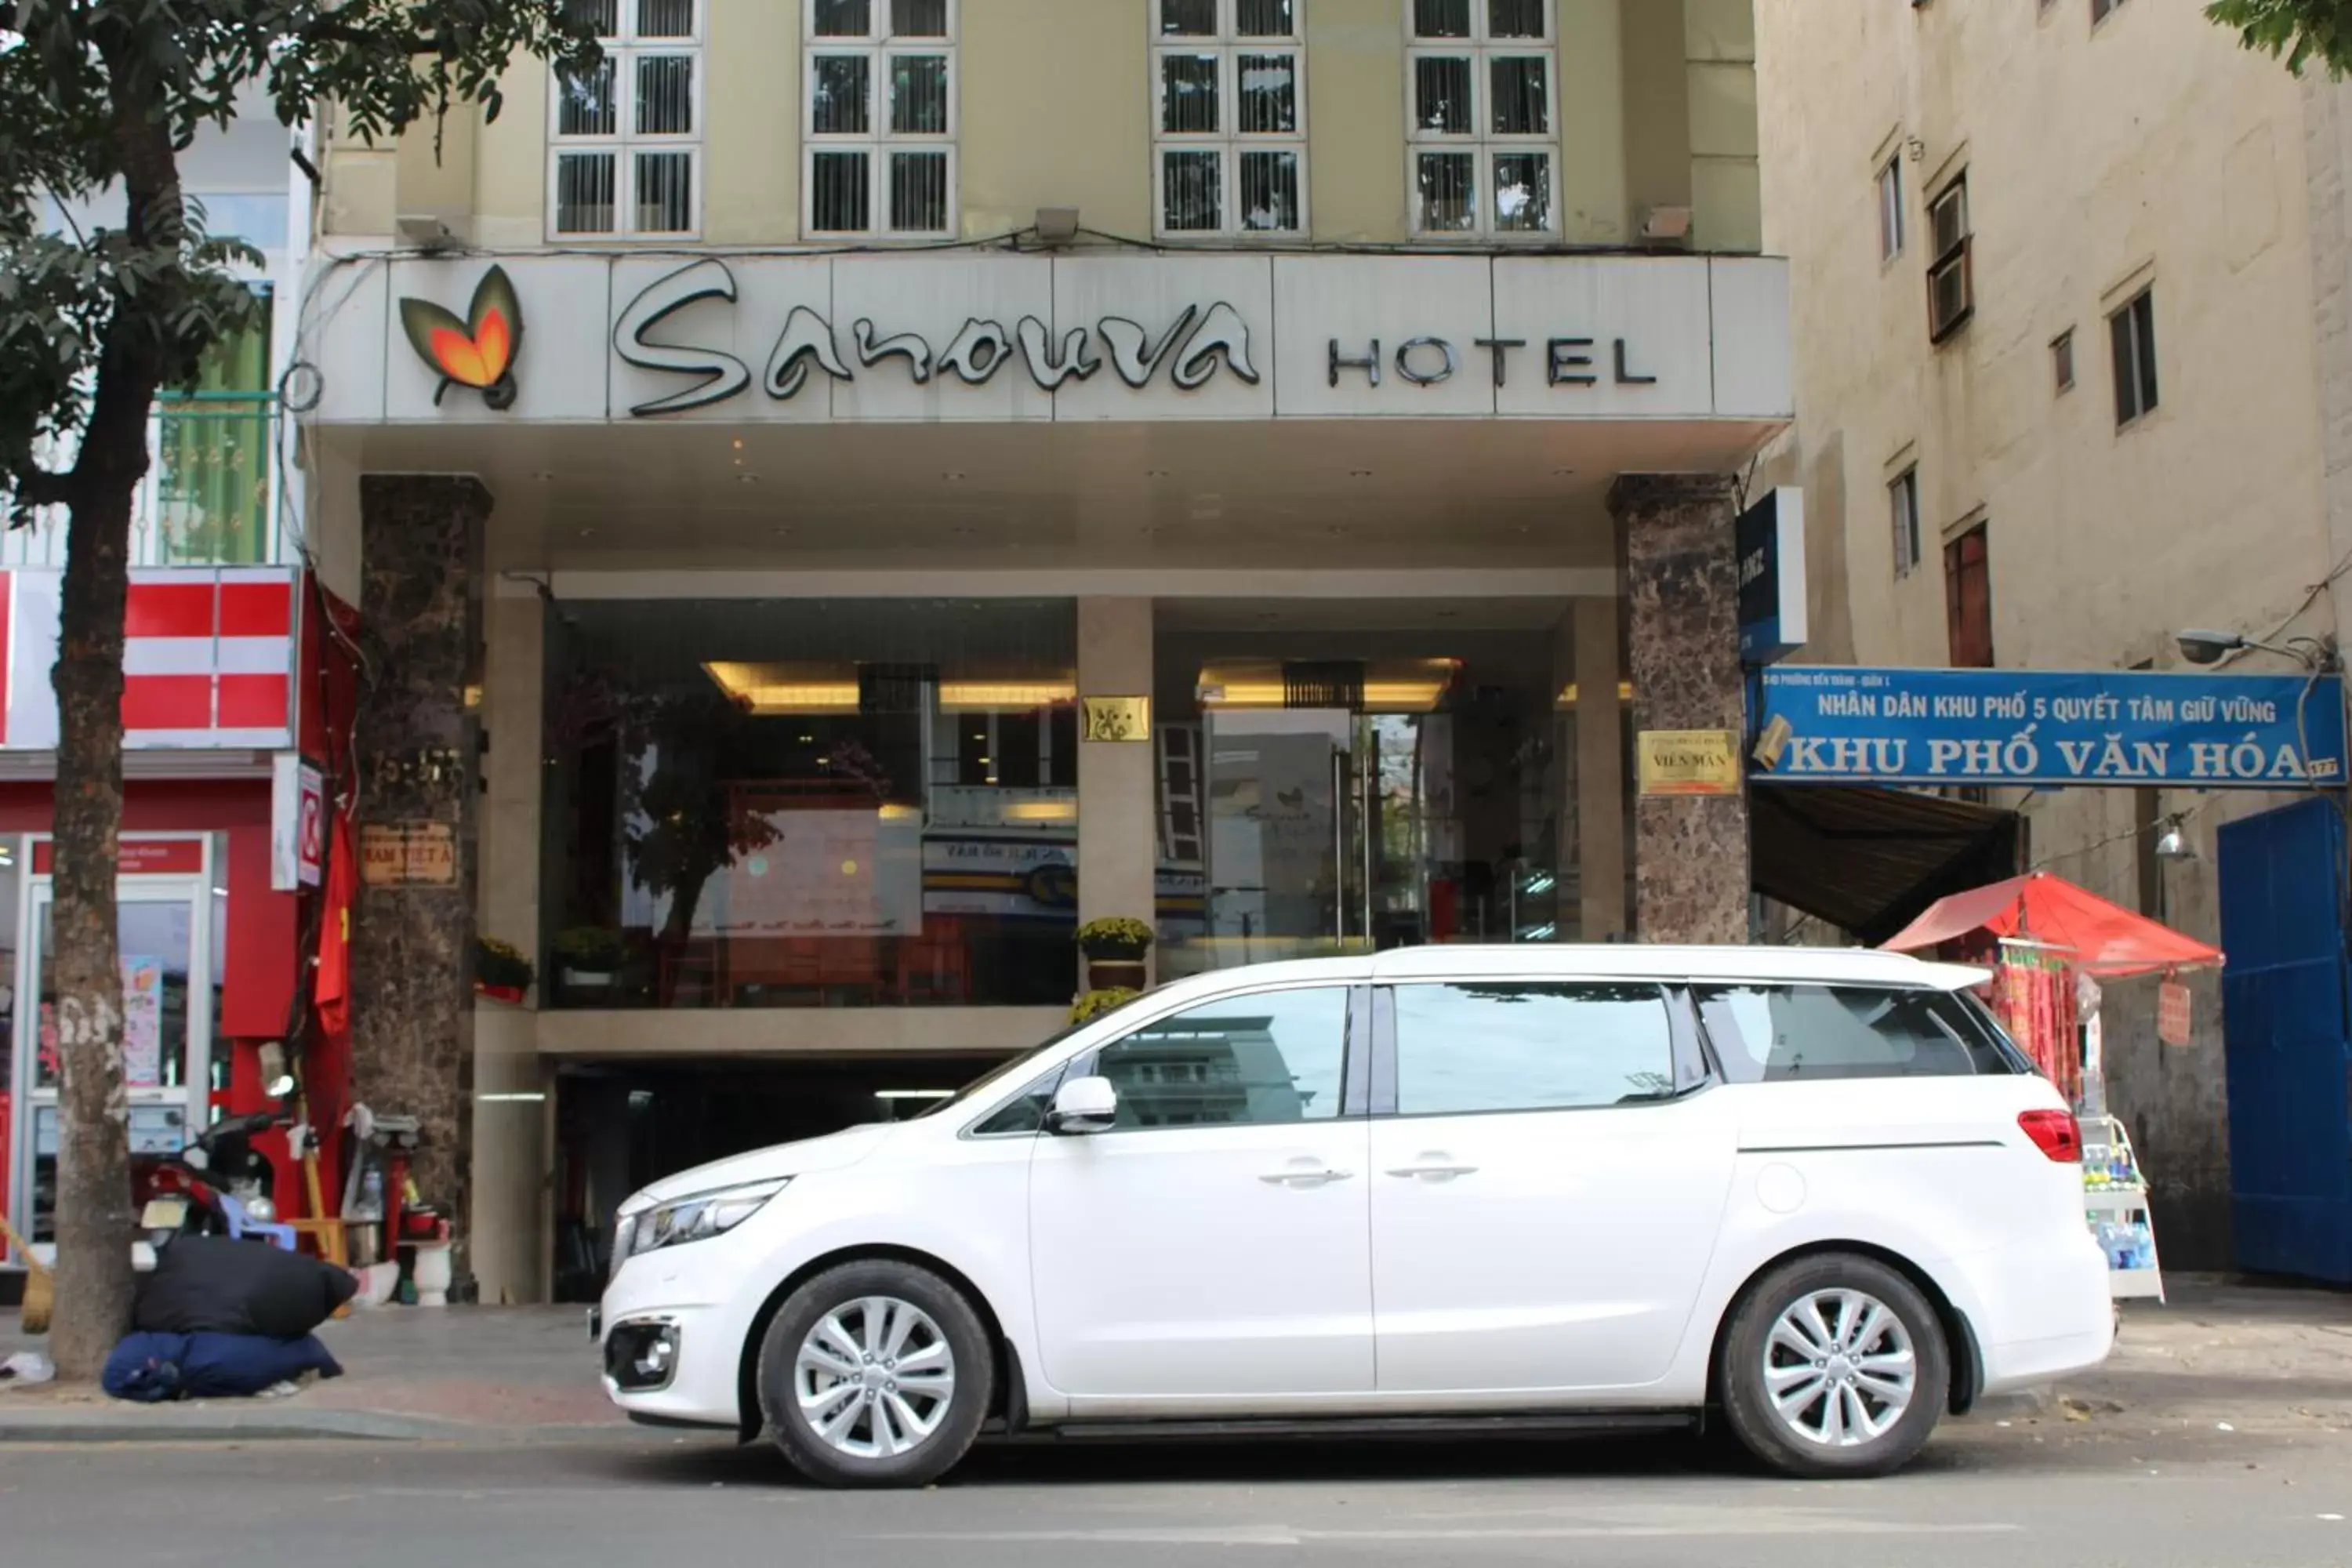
(1334, 789)
(806, 802)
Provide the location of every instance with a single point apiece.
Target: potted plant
(1094, 1003)
(1115, 947)
(500, 970)
(591, 956)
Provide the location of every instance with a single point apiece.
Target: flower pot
(510, 994)
(1114, 975)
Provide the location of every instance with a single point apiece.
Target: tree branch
(38, 488)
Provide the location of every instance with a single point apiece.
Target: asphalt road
(2047, 1492)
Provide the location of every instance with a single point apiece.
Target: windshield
(1005, 1072)
(999, 1074)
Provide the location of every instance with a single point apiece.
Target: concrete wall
(1656, 108)
(2098, 160)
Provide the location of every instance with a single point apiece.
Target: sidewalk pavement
(2222, 1355)
(409, 1372)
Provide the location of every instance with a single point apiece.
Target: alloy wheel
(874, 1377)
(1839, 1368)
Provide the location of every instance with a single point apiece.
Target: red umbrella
(2103, 939)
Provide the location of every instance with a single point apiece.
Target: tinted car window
(1530, 1046)
(1767, 1034)
(1276, 1057)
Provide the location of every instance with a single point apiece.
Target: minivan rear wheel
(876, 1373)
(1835, 1365)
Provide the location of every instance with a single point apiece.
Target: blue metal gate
(2283, 1004)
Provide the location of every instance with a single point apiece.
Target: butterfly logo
(478, 351)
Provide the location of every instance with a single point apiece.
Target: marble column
(415, 741)
(1119, 812)
(1690, 853)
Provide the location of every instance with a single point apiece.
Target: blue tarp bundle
(152, 1367)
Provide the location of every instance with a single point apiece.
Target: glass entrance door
(1321, 825)
(167, 969)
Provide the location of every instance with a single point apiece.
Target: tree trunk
(94, 1280)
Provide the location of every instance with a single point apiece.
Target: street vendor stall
(2049, 943)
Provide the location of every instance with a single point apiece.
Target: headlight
(695, 1218)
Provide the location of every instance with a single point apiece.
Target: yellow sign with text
(1687, 762)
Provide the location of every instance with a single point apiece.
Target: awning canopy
(2103, 938)
(1867, 859)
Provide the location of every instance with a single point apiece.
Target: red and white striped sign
(207, 659)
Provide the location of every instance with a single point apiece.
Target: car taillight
(2055, 1134)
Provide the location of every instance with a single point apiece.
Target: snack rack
(2115, 1203)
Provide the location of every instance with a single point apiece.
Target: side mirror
(1083, 1105)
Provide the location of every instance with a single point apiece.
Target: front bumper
(669, 1337)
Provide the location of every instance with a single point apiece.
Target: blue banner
(2106, 728)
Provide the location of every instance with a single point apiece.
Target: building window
(1903, 508)
(1951, 280)
(2062, 361)
(879, 129)
(1967, 600)
(1485, 119)
(1229, 136)
(2132, 332)
(814, 802)
(625, 138)
(1890, 208)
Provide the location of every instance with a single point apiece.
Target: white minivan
(1815, 1194)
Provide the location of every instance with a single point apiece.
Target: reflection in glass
(1515, 1046)
(1312, 803)
(1514, 18)
(1270, 192)
(1441, 93)
(1523, 191)
(1521, 95)
(842, 96)
(1441, 18)
(1267, 87)
(1188, 103)
(1449, 191)
(1257, 1061)
(858, 803)
(1191, 198)
(918, 95)
(1188, 19)
(843, 18)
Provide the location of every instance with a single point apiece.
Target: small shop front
(213, 870)
(1910, 738)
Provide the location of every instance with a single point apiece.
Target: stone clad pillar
(1118, 811)
(1690, 853)
(415, 743)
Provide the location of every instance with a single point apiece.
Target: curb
(205, 1423)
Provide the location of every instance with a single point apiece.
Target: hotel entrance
(1413, 790)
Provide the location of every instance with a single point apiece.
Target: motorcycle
(190, 1192)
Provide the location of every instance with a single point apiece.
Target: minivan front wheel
(875, 1373)
(1835, 1365)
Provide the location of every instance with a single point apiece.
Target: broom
(40, 1291)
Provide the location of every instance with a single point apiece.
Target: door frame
(194, 888)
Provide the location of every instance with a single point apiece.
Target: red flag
(333, 992)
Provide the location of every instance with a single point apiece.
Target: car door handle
(1305, 1176)
(1433, 1167)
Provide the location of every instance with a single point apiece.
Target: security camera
(2208, 647)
